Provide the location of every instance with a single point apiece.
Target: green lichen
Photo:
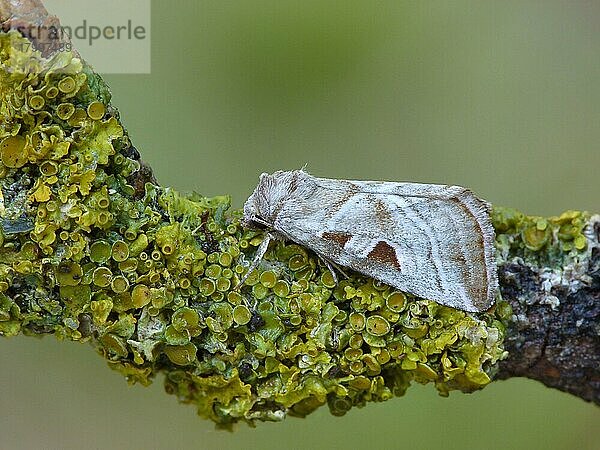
(543, 242)
(554, 249)
(148, 276)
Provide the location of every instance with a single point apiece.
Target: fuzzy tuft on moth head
(269, 197)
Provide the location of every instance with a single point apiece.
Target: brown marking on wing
(350, 192)
(385, 254)
(457, 256)
(339, 238)
(294, 183)
(478, 291)
(383, 215)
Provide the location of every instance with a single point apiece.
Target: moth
(433, 241)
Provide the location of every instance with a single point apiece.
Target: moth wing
(433, 241)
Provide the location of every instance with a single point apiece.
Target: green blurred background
(503, 97)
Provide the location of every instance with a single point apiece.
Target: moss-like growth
(148, 278)
(545, 241)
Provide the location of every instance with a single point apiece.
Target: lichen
(149, 278)
(552, 241)
(556, 249)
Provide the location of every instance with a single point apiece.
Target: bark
(558, 346)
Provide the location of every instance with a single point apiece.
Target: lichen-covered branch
(554, 333)
(93, 250)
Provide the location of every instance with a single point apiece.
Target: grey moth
(433, 241)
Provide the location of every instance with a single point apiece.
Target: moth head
(262, 207)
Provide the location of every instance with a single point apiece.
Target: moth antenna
(260, 253)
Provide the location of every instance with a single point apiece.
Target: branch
(94, 250)
(554, 333)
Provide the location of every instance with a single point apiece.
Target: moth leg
(333, 268)
(260, 253)
(340, 270)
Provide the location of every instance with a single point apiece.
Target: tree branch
(554, 336)
(93, 250)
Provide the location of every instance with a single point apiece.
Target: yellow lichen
(13, 152)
